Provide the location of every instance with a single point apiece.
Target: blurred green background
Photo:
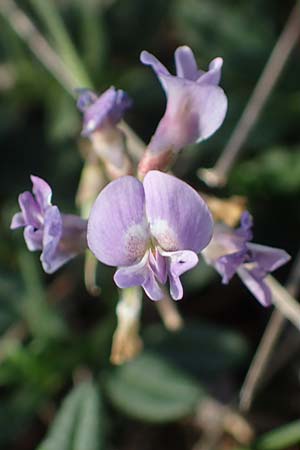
(58, 389)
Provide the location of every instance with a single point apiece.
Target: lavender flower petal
(186, 66)
(33, 238)
(42, 192)
(64, 238)
(213, 76)
(139, 274)
(17, 221)
(179, 218)
(51, 237)
(31, 211)
(196, 106)
(105, 110)
(268, 258)
(179, 262)
(254, 282)
(118, 233)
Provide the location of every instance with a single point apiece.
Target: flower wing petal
(179, 218)
(117, 229)
(178, 263)
(139, 274)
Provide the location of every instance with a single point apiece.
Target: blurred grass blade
(42, 319)
(78, 424)
(280, 438)
(49, 14)
(150, 389)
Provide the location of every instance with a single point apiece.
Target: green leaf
(42, 318)
(150, 389)
(280, 438)
(203, 349)
(79, 422)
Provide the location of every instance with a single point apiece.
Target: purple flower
(231, 252)
(103, 111)
(196, 105)
(59, 236)
(151, 231)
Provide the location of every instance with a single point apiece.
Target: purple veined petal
(179, 218)
(158, 265)
(118, 233)
(152, 288)
(31, 211)
(64, 238)
(107, 109)
(268, 259)
(33, 238)
(186, 66)
(41, 191)
(86, 98)
(17, 221)
(256, 285)
(194, 112)
(178, 263)
(228, 265)
(213, 76)
(134, 275)
(51, 257)
(98, 112)
(139, 274)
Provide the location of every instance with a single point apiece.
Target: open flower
(231, 252)
(196, 105)
(152, 231)
(59, 236)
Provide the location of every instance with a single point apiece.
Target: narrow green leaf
(40, 316)
(49, 13)
(150, 389)
(78, 424)
(280, 438)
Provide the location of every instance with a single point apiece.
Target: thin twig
(262, 91)
(267, 344)
(27, 31)
(169, 313)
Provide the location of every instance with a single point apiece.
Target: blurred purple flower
(196, 105)
(59, 236)
(152, 231)
(231, 252)
(103, 111)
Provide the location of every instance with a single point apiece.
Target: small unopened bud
(126, 340)
(110, 145)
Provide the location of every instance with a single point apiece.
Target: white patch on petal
(137, 240)
(164, 235)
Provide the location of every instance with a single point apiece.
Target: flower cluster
(152, 228)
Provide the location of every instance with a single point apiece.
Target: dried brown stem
(267, 344)
(261, 93)
(27, 31)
